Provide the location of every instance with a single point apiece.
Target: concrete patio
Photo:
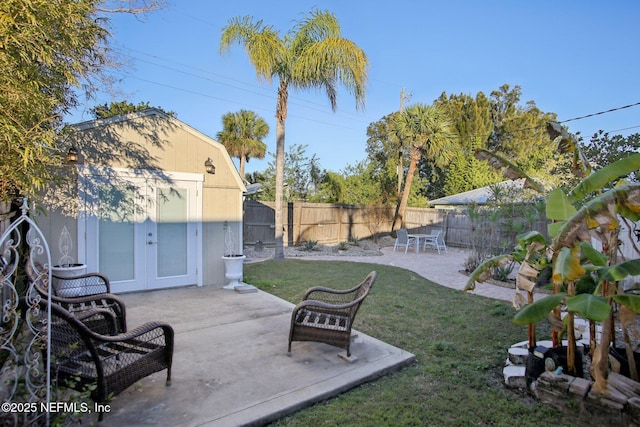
(230, 363)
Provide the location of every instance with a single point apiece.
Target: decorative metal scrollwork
(25, 376)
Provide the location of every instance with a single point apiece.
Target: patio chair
(403, 239)
(326, 315)
(82, 357)
(97, 293)
(81, 285)
(431, 240)
(441, 242)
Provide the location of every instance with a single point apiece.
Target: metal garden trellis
(24, 335)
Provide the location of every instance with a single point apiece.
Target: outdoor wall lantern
(72, 155)
(208, 165)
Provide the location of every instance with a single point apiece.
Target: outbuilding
(158, 203)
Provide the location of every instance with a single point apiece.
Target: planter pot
(233, 266)
(69, 270)
(537, 362)
(68, 288)
(620, 354)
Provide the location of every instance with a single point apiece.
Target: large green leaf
(589, 306)
(628, 202)
(553, 228)
(597, 180)
(594, 256)
(530, 244)
(567, 267)
(620, 271)
(481, 273)
(623, 199)
(531, 236)
(630, 301)
(538, 310)
(559, 206)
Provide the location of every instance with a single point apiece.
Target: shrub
(310, 245)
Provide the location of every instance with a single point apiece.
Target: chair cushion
(316, 319)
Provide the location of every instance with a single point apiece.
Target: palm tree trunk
(399, 219)
(243, 160)
(281, 115)
(279, 223)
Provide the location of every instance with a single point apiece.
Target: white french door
(171, 236)
(145, 233)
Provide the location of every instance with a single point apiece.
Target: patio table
(417, 238)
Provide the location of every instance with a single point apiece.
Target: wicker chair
(96, 293)
(79, 286)
(80, 356)
(326, 315)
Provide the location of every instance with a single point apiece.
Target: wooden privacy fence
(333, 223)
(323, 222)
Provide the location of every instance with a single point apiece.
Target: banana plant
(572, 257)
(530, 252)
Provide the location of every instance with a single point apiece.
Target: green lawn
(460, 342)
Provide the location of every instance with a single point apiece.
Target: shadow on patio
(230, 363)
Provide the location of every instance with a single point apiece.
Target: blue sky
(574, 58)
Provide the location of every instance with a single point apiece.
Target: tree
(361, 186)
(519, 133)
(473, 125)
(242, 134)
(302, 175)
(117, 108)
(603, 149)
(47, 50)
(386, 156)
(427, 132)
(313, 55)
(44, 45)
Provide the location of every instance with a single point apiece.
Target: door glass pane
(116, 224)
(172, 232)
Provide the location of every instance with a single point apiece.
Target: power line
(313, 105)
(620, 130)
(601, 112)
(235, 102)
(192, 69)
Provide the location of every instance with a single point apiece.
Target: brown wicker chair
(96, 293)
(80, 356)
(326, 315)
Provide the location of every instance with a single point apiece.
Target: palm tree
(312, 55)
(242, 135)
(427, 131)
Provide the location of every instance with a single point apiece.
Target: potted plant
(233, 262)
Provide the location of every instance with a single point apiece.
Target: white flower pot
(233, 270)
(69, 270)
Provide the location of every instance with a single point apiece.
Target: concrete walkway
(230, 361)
(443, 268)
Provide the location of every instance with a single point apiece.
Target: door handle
(150, 242)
